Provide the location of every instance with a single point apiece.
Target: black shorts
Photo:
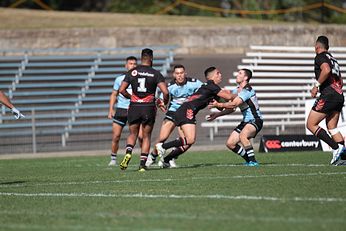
(120, 116)
(169, 116)
(184, 115)
(141, 114)
(328, 103)
(257, 123)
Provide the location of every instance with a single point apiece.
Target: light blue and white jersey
(122, 102)
(179, 93)
(249, 108)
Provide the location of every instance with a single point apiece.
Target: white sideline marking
(175, 179)
(174, 196)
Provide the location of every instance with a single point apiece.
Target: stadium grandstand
(64, 94)
(282, 77)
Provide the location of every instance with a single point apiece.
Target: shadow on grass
(13, 182)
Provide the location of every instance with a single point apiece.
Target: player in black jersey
(142, 110)
(329, 104)
(185, 117)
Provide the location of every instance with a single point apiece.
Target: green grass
(39, 19)
(210, 191)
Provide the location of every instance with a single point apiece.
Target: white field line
(172, 179)
(174, 196)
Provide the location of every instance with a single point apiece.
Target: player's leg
(147, 130)
(166, 129)
(332, 123)
(116, 133)
(177, 151)
(313, 120)
(233, 144)
(249, 131)
(131, 142)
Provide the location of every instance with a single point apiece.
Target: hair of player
(178, 66)
(248, 73)
(323, 40)
(208, 71)
(147, 54)
(131, 58)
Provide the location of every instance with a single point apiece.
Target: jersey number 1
(141, 85)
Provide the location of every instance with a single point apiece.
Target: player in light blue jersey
(252, 118)
(7, 102)
(179, 89)
(119, 114)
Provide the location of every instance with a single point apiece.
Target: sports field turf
(210, 191)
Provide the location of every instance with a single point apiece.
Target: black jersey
(334, 82)
(203, 96)
(143, 80)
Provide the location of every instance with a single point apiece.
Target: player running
(329, 104)
(185, 116)
(252, 118)
(179, 89)
(142, 110)
(6, 101)
(119, 115)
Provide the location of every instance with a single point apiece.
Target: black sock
(144, 157)
(175, 153)
(241, 152)
(250, 153)
(322, 134)
(154, 155)
(175, 143)
(129, 149)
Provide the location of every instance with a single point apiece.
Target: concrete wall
(203, 40)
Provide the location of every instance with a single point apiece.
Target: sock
(113, 156)
(241, 152)
(322, 134)
(144, 157)
(250, 153)
(175, 143)
(175, 153)
(129, 149)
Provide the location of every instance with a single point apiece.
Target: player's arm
(164, 90)
(215, 115)
(232, 104)
(6, 101)
(123, 91)
(325, 70)
(112, 102)
(226, 94)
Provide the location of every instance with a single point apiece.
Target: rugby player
(179, 89)
(142, 110)
(119, 115)
(185, 116)
(252, 122)
(330, 102)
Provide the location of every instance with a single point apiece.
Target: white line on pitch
(174, 196)
(174, 179)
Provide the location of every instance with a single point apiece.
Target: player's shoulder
(247, 87)
(120, 78)
(192, 80)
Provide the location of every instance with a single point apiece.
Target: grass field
(210, 191)
(39, 19)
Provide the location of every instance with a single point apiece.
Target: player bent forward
(252, 118)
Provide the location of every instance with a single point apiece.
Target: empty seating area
(64, 93)
(282, 79)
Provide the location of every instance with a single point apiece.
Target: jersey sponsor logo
(146, 74)
(189, 114)
(147, 99)
(134, 73)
